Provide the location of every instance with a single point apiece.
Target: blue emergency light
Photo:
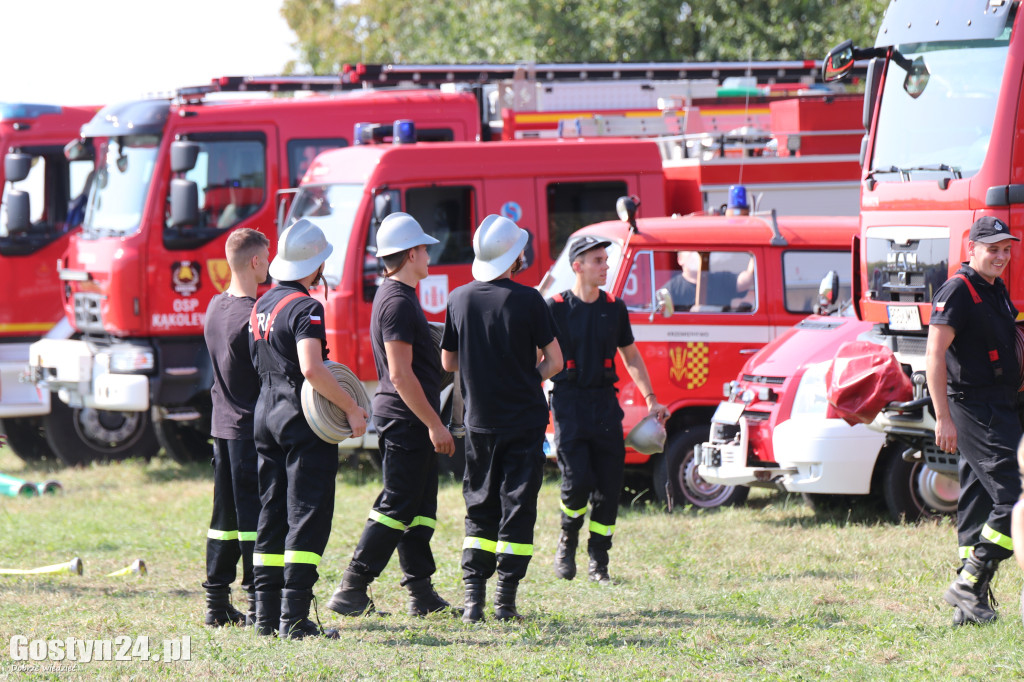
(403, 131)
(11, 110)
(363, 133)
(738, 197)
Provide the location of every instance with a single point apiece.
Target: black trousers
(591, 456)
(405, 513)
(236, 512)
(297, 473)
(503, 476)
(987, 435)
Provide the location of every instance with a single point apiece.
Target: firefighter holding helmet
(973, 378)
(493, 332)
(406, 412)
(592, 326)
(296, 469)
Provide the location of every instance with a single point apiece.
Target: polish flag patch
(940, 306)
(315, 319)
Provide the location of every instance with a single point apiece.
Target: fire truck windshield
(561, 277)
(124, 171)
(333, 208)
(936, 113)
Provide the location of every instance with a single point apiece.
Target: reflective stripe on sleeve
(572, 513)
(386, 520)
(292, 556)
(214, 534)
(268, 559)
(481, 544)
(423, 521)
(601, 529)
(516, 548)
(246, 536)
(996, 538)
(965, 552)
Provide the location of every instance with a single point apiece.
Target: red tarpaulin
(864, 378)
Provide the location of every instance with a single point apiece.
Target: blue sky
(104, 51)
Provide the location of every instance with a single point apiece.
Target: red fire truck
(137, 279)
(943, 148)
(43, 194)
(693, 347)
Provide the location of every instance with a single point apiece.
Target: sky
(99, 52)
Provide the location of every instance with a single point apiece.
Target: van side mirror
(663, 304)
(184, 155)
(625, 208)
(838, 62)
(828, 290)
(184, 203)
(18, 211)
(370, 270)
(385, 202)
(17, 166)
(77, 150)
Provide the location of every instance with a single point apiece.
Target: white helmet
(496, 243)
(300, 251)
(648, 436)
(399, 232)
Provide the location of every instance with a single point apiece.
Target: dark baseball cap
(988, 230)
(584, 244)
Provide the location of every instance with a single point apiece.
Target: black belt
(1006, 395)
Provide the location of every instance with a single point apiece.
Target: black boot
(476, 595)
(970, 591)
(505, 602)
(423, 599)
(219, 611)
(350, 599)
(268, 612)
(295, 622)
(250, 616)
(565, 555)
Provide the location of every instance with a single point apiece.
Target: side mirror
(184, 203)
(78, 150)
(370, 270)
(828, 290)
(838, 62)
(18, 212)
(663, 303)
(385, 202)
(285, 197)
(625, 208)
(17, 166)
(184, 155)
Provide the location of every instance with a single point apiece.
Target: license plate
(904, 318)
(728, 413)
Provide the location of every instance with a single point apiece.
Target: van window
(446, 214)
(231, 176)
(802, 272)
(302, 152)
(638, 290)
(708, 281)
(572, 205)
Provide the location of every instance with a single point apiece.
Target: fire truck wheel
(913, 491)
(675, 474)
(26, 437)
(182, 441)
(82, 435)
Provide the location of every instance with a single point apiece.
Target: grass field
(766, 591)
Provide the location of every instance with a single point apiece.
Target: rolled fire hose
(15, 487)
(73, 567)
(326, 419)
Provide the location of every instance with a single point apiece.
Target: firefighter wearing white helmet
(296, 469)
(406, 412)
(592, 327)
(493, 331)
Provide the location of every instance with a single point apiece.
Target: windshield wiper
(905, 172)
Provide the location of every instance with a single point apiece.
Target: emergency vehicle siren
(326, 419)
(73, 567)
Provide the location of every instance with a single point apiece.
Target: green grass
(767, 591)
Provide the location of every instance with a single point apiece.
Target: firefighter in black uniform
(971, 362)
(236, 494)
(493, 332)
(296, 469)
(591, 327)
(406, 411)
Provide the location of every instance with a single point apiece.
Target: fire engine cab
(758, 275)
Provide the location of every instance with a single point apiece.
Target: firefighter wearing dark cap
(973, 378)
(406, 412)
(493, 332)
(296, 468)
(592, 326)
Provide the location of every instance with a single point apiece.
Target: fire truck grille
(905, 271)
(911, 345)
(87, 312)
(771, 381)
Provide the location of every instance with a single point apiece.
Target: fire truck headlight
(811, 394)
(131, 359)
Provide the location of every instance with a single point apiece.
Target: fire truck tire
(675, 474)
(182, 442)
(79, 436)
(26, 437)
(913, 491)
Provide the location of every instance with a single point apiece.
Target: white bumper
(82, 378)
(18, 398)
(828, 455)
(726, 463)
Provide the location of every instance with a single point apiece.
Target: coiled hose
(326, 419)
